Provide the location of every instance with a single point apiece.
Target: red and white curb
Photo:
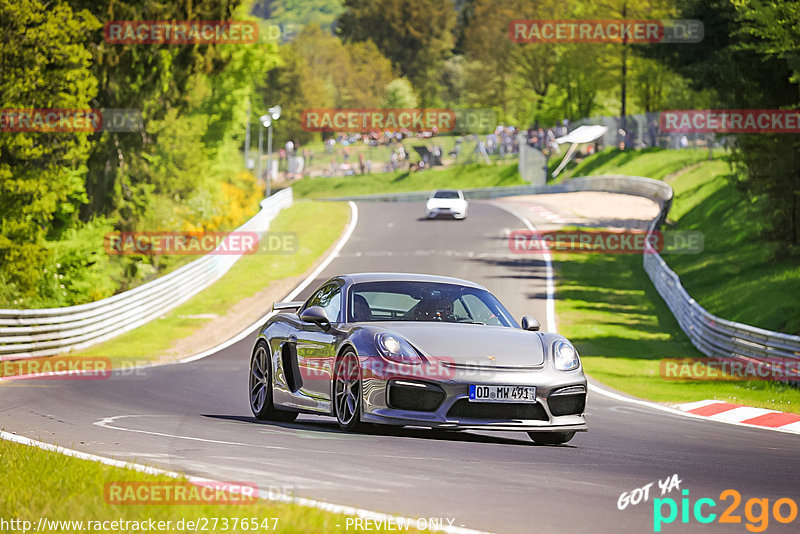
(745, 415)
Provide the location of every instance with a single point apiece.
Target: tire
(551, 438)
(260, 390)
(347, 392)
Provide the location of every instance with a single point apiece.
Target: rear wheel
(261, 387)
(347, 392)
(551, 438)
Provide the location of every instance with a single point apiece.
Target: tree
(400, 94)
(416, 36)
(748, 58)
(45, 64)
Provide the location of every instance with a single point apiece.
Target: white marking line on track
(551, 327)
(312, 503)
(615, 396)
(550, 305)
(296, 291)
(740, 414)
(106, 422)
(689, 406)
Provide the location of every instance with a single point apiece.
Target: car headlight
(565, 356)
(396, 349)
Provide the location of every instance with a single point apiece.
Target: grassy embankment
(77, 493)
(461, 177)
(607, 305)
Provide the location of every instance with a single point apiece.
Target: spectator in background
(361, 164)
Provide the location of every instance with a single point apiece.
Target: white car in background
(448, 202)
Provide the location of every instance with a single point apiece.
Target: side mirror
(316, 315)
(529, 323)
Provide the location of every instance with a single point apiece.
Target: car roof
(355, 278)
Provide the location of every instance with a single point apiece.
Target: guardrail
(49, 331)
(711, 335)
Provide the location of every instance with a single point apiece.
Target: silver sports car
(417, 350)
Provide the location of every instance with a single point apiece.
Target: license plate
(479, 393)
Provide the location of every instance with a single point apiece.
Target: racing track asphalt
(195, 418)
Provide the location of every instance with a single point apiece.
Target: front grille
(414, 396)
(568, 401)
(464, 409)
(567, 404)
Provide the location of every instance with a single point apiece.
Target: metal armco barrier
(49, 331)
(712, 335)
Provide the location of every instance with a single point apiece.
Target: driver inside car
(436, 308)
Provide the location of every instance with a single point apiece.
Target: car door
(316, 348)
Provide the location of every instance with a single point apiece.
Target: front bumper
(455, 411)
(445, 212)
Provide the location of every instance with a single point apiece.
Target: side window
(328, 298)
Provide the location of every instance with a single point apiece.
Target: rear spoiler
(290, 305)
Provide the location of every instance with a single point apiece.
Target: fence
(45, 332)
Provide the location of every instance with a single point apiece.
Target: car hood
(469, 344)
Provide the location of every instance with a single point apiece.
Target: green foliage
(293, 15)
(416, 35)
(400, 94)
(319, 71)
(749, 60)
(45, 64)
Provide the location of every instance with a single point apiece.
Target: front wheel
(347, 392)
(551, 438)
(261, 387)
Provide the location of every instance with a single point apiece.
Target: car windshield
(425, 301)
(446, 194)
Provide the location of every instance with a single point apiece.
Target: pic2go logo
(756, 511)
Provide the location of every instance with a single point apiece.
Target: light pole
(247, 139)
(260, 150)
(274, 114)
(266, 121)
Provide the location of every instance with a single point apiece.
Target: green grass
(461, 176)
(654, 163)
(737, 276)
(317, 225)
(608, 307)
(76, 492)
